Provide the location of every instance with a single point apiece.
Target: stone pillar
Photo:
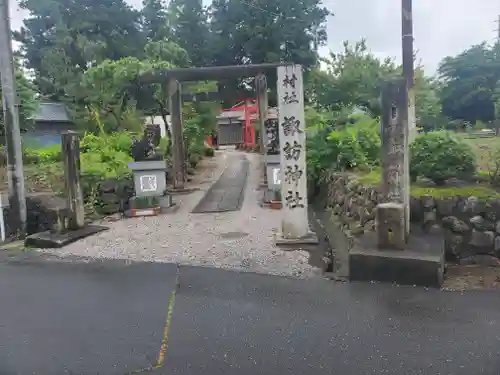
(262, 103)
(178, 155)
(292, 138)
(71, 157)
(392, 221)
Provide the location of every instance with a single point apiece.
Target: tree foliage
(61, 39)
(352, 77)
(471, 83)
(190, 30)
(268, 31)
(26, 96)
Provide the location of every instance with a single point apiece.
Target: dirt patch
(471, 277)
(207, 171)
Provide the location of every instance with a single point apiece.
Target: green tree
(427, 103)
(61, 39)
(352, 77)
(106, 87)
(470, 82)
(190, 29)
(263, 31)
(26, 94)
(155, 20)
(268, 31)
(167, 51)
(114, 87)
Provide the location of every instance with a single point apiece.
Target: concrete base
(142, 212)
(52, 240)
(407, 267)
(310, 239)
(170, 210)
(268, 195)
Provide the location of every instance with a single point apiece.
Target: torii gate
(291, 128)
(171, 78)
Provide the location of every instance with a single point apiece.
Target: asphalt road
(109, 318)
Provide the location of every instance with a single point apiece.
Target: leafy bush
(121, 141)
(106, 156)
(352, 146)
(38, 155)
(439, 156)
(346, 149)
(209, 152)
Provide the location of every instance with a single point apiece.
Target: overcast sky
(441, 27)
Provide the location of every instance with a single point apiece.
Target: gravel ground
(241, 240)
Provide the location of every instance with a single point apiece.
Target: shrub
(493, 173)
(439, 156)
(121, 141)
(346, 149)
(209, 152)
(38, 155)
(354, 146)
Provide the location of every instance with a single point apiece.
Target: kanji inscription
(293, 174)
(289, 81)
(291, 126)
(294, 200)
(292, 151)
(292, 137)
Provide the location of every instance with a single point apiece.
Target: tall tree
(470, 82)
(190, 29)
(26, 93)
(63, 38)
(352, 77)
(155, 20)
(261, 31)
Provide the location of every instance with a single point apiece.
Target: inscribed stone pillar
(393, 215)
(71, 159)
(292, 138)
(175, 103)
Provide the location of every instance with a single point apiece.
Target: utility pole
(498, 29)
(408, 63)
(17, 199)
(408, 75)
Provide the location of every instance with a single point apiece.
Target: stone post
(178, 156)
(71, 156)
(392, 217)
(292, 138)
(262, 103)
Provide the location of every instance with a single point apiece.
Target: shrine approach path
(240, 240)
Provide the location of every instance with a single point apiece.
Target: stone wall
(111, 195)
(47, 211)
(470, 226)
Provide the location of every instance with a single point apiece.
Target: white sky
(441, 27)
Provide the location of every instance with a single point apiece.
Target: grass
(38, 178)
(483, 149)
(480, 191)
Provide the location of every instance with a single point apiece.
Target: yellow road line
(168, 321)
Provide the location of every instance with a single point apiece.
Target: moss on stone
(373, 179)
(451, 191)
(369, 179)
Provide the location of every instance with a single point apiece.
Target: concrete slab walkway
(108, 317)
(228, 192)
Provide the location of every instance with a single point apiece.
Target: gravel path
(240, 240)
